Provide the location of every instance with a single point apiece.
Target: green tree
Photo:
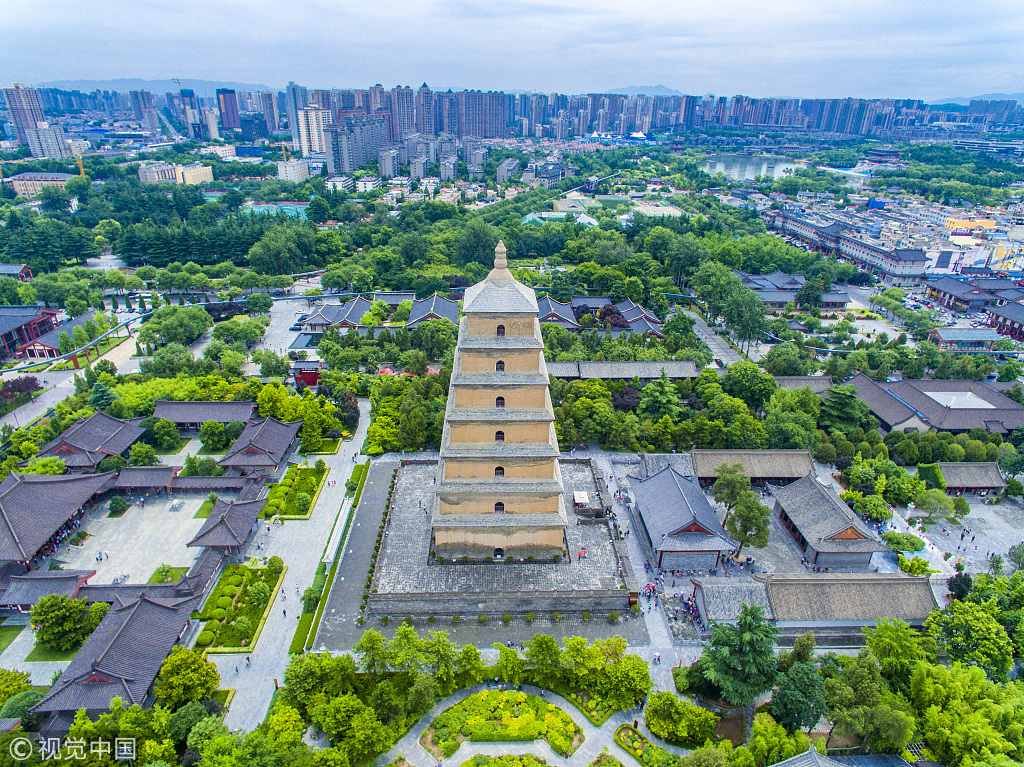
(545, 658)
(970, 633)
(510, 666)
(899, 648)
(166, 435)
(731, 484)
(740, 659)
(13, 683)
(841, 409)
(747, 315)
(750, 522)
(141, 454)
(934, 503)
(678, 721)
(799, 700)
(716, 285)
(386, 702)
(746, 381)
(62, 623)
(211, 434)
(660, 398)
(185, 676)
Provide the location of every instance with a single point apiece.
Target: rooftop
(500, 292)
(677, 514)
(826, 522)
(849, 597)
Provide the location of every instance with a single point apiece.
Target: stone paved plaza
(403, 565)
(138, 542)
(995, 528)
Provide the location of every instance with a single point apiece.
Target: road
(720, 349)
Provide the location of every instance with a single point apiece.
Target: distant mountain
(646, 90)
(201, 87)
(1018, 97)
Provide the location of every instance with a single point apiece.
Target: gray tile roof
(821, 516)
(85, 443)
(757, 464)
(29, 588)
(52, 339)
(817, 384)
(611, 370)
(959, 289)
(196, 411)
(777, 280)
(13, 317)
(967, 334)
(895, 401)
(668, 502)
(810, 758)
(550, 310)
(1014, 312)
(34, 506)
(229, 524)
(132, 477)
(431, 308)
(723, 597)
(591, 302)
(488, 297)
(123, 655)
(333, 314)
(857, 597)
(265, 442)
(11, 270)
(972, 475)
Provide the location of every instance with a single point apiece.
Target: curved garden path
(594, 738)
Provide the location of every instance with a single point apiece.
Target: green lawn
(7, 635)
(42, 654)
(176, 573)
(175, 451)
(204, 510)
(328, 447)
(222, 451)
(116, 514)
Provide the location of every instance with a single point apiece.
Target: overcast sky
(795, 48)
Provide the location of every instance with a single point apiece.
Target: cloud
(795, 48)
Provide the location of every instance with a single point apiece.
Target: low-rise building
(193, 173)
(31, 184)
(959, 295)
(763, 467)
(22, 272)
(84, 444)
(825, 529)
(1007, 320)
(157, 172)
(675, 523)
(367, 183)
(295, 171)
(341, 183)
(964, 339)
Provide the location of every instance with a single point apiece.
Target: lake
(741, 166)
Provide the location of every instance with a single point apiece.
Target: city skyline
(868, 50)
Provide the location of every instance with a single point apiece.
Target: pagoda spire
(500, 275)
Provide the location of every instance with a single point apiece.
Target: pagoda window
(499, 436)
(501, 331)
(499, 366)
(499, 402)
(499, 471)
(499, 508)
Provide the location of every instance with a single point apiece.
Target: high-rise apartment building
(426, 122)
(353, 142)
(268, 106)
(46, 141)
(309, 128)
(227, 102)
(378, 98)
(25, 109)
(403, 112)
(483, 115)
(141, 101)
(388, 162)
(296, 97)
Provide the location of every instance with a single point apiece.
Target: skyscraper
(227, 102)
(268, 106)
(49, 142)
(403, 118)
(426, 122)
(309, 129)
(25, 109)
(141, 101)
(352, 142)
(296, 97)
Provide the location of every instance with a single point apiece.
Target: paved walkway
(594, 738)
(338, 627)
(299, 543)
(13, 657)
(720, 349)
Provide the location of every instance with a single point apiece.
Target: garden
(493, 715)
(236, 609)
(642, 749)
(296, 494)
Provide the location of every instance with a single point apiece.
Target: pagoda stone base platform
(409, 582)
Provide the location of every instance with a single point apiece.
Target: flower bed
(282, 498)
(232, 599)
(592, 707)
(642, 749)
(492, 715)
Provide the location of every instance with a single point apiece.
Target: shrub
(230, 590)
(235, 580)
(586, 616)
(613, 617)
(903, 541)
(931, 475)
(204, 638)
(218, 613)
(224, 602)
(259, 594)
(506, 618)
(555, 616)
(530, 616)
(482, 618)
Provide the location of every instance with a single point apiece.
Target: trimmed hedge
(929, 472)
